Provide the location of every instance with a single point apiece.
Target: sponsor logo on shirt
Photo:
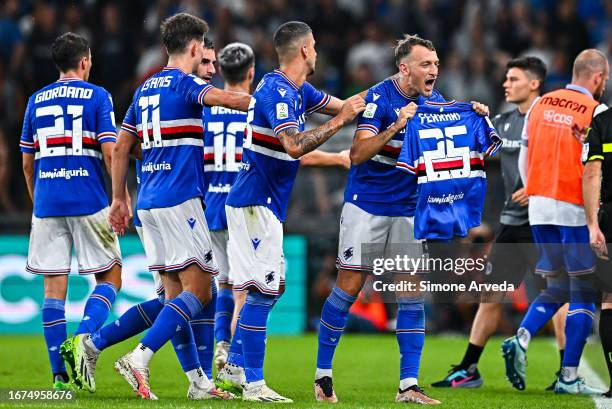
(63, 173)
(219, 188)
(550, 115)
(155, 167)
(449, 198)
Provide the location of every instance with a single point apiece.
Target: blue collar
(578, 88)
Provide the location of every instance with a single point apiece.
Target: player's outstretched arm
(28, 172)
(367, 144)
(119, 214)
(228, 99)
(319, 158)
(334, 105)
(297, 143)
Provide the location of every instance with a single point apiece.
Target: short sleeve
(594, 142)
(192, 88)
(371, 118)
(279, 107)
(106, 130)
(488, 140)
(26, 143)
(129, 122)
(524, 135)
(314, 99)
(408, 158)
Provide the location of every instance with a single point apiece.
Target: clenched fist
(479, 108)
(404, 115)
(351, 108)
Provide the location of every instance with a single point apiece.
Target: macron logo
(255, 242)
(375, 96)
(282, 92)
(191, 221)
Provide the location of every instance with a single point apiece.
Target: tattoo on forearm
(310, 140)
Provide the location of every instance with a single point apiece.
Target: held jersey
(223, 137)
(267, 173)
(166, 116)
(445, 147)
(64, 126)
(554, 167)
(509, 125)
(376, 186)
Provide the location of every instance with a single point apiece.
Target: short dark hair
(67, 50)
(403, 48)
(286, 35)
(177, 31)
(235, 59)
(209, 44)
(534, 65)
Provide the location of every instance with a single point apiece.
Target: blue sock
(235, 356)
(333, 319)
(410, 333)
(54, 328)
(253, 321)
(97, 308)
(185, 348)
(577, 328)
(223, 315)
(172, 318)
(543, 308)
(132, 322)
(203, 327)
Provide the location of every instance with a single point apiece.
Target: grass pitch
(365, 375)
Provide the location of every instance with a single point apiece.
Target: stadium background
(474, 40)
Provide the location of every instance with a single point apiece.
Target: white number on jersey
(58, 129)
(446, 152)
(150, 103)
(233, 130)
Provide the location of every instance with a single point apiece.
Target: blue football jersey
(166, 116)
(267, 173)
(376, 186)
(445, 147)
(223, 137)
(64, 126)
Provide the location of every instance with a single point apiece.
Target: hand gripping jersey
(166, 116)
(267, 173)
(445, 147)
(223, 137)
(64, 126)
(376, 186)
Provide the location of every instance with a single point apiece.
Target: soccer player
(166, 119)
(597, 193)
(87, 347)
(68, 133)
(551, 169)
(223, 137)
(524, 79)
(257, 202)
(379, 205)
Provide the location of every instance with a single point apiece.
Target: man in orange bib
(551, 169)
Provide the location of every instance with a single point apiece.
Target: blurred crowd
(355, 38)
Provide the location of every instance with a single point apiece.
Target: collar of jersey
(68, 79)
(171, 68)
(282, 74)
(578, 88)
(401, 92)
(440, 104)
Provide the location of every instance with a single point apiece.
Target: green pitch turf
(365, 375)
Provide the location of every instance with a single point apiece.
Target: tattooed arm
(300, 143)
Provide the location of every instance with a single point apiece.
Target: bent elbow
(355, 157)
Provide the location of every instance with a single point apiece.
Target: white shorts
(52, 239)
(159, 285)
(255, 249)
(358, 228)
(219, 240)
(176, 237)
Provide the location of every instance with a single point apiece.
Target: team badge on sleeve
(282, 111)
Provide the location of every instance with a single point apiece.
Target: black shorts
(603, 269)
(513, 255)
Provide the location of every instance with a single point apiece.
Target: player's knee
(112, 276)
(350, 282)
(55, 286)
